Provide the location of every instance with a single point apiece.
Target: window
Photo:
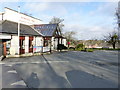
(46, 42)
(30, 43)
(22, 44)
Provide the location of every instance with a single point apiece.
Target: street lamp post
(18, 29)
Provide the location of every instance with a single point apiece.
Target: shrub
(80, 46)
(89, 50)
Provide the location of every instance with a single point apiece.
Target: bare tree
(118, 15)
(112, 38)
(56, 20)
(70, 36)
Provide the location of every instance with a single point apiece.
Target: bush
(80, 46)
(89, 50)
(79, 49)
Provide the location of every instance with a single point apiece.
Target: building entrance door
(4, 49)
(30, 44)
(22, 44)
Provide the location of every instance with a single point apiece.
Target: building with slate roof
(47, 30)
(34, 35)
(28, 39)
(10, 27)
(51, 34)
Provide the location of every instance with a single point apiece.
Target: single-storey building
(34, 35)
(29, 38)
(51, 35)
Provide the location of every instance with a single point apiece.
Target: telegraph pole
(118, 22)
(18, 29)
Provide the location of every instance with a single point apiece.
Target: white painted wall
(0, 16)
(5, 36)
(24, 19)
(46, 49)
(52, 44)
(64, 41)
(14, 45)
(39, 41)
(56, 43)
(26, 44)
(37, 44)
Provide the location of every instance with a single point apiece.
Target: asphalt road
(10, 78)
(73, 69)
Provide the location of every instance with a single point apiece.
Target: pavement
(72, 69)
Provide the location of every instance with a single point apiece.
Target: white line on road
(9, 63)
(19, 83)
(12, 71)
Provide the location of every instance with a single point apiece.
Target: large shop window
(22, 44)
(46, 42)
(30, 44)
(8, 43)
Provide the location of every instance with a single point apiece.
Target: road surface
(72, 69)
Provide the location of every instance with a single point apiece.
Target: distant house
(51, 35)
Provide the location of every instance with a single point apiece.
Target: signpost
(68, 44)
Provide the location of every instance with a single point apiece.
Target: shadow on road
(80, 79)
(33, 80)
(60, 81)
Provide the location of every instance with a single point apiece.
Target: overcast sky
(90, 20)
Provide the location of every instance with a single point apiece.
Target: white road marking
(2, 63)
(8, 65)
(12, 71)
(19, 83)
(11, 63)
(57, 61)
